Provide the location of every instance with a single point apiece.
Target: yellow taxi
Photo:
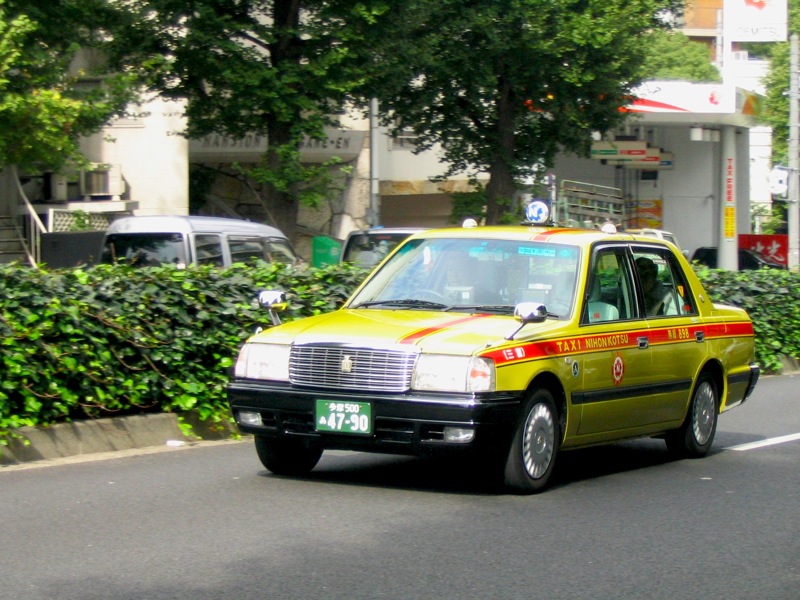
(506, 343)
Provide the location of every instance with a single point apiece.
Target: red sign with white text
(774, 247)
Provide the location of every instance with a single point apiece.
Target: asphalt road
(623, 521)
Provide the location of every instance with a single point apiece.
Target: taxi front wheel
(532, 456)
(286, 457)
(695, 436)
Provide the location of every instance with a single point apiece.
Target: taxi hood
(441, 332)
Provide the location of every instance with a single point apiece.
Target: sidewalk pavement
(104, 435)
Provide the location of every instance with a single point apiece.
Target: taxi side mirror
(274, 301)
(528, 312)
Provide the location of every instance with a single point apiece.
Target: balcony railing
(31, 233)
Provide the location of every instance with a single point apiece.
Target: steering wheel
(433, 296)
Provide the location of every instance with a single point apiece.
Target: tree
(278, 69)
(503, 85)
(776, 82)
(45, 108)
(673, 56)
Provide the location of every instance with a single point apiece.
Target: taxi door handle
(699, 336)
(643, 342)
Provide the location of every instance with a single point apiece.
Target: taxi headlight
(263, 361)
(435, 372)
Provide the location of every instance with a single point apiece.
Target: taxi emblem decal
(347, 364)
(618, 368)
(575, 369)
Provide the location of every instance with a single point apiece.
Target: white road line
(768, 442)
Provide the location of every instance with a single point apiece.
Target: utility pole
(793, 212)
(373, 214)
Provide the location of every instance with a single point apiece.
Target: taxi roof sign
(537, 212)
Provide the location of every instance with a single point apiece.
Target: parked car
(183, 240)
(509, 343)
(368, 247)
(748, 259)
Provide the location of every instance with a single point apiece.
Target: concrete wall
(154, 157)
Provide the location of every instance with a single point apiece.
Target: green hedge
(113, 340)
(772, 299)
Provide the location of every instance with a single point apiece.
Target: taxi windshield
(487, 275)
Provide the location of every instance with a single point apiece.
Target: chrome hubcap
(703, 412)
(538, 441)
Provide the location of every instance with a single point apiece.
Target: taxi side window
(609, 293)
(662, 286)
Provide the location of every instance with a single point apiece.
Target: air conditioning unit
(740, 55)
(102, 180)
(58, 187)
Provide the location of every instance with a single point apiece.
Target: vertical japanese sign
(754, 21)
(730, 200)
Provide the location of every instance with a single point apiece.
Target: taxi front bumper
(411, 423)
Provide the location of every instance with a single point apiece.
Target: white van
(183, 240)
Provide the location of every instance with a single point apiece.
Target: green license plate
(344, 417)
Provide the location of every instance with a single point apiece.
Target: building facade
(702, 191)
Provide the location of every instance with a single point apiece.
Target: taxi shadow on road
(463, 476)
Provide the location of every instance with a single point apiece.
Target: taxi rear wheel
(286, 458)
(695, 436)
(534, 447)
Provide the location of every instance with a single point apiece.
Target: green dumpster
(325, 251)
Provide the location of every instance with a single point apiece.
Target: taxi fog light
(459, 435)
(248, 417)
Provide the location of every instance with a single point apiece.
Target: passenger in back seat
(655, 294)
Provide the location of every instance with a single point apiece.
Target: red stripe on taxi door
(613, 341)
(566, 346)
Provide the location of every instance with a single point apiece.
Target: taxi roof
(556, 235)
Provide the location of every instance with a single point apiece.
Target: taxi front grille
(348, 368)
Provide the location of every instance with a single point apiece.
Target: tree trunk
(499, 191)
(282, 205)
(285, 49)
(501, 187)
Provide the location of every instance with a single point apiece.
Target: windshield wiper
(407, 302)
(503, 309)
(489, 308)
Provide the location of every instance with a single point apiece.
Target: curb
(789, 365)
(106, 435)
(136, 432)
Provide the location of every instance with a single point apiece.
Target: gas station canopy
(682, 102)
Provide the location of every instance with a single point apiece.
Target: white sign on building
(755, 20)
(342, 143)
